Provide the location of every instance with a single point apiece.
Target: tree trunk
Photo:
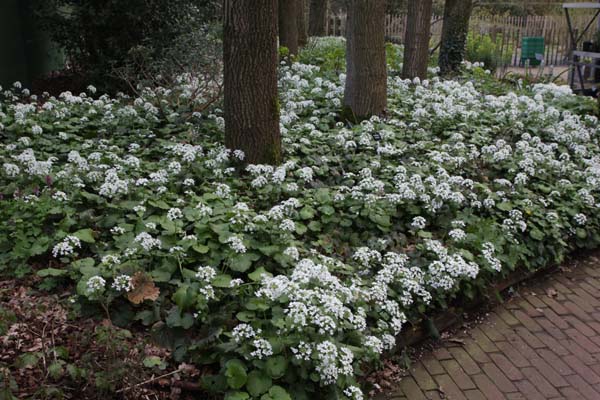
(416, 40)
(366, 70)
(250, 77)
(454, 34)
(301, 22)
(288, 25)
(317, 18)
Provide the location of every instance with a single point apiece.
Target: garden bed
(286, 281)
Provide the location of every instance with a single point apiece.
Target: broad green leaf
(258, 383)
(235, 371)
(85, 235)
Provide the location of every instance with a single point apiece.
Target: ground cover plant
(286, 282)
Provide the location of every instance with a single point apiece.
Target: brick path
(542, 344)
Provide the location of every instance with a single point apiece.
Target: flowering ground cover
(284, 282)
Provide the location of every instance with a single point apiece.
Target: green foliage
(481, 48)
(98, 35)
(266, 275)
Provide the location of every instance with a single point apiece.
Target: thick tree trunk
(366, 70)
(288, 25)
(454, 34)
(416, 40)
(317, 18)
(301, 22)
(250, 77)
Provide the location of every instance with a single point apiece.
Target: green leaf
(307, 212)
(221, 281)
(175, 319)
(51, 272)
(184, 297)
(258, 383)
(277, 393)
(200, 248)
(242, 262)
(505, 206)
(257, 274)
(152, 361)
(235, 371)
(85, 235)
(237, 396)
(276, 366)
(536, 234)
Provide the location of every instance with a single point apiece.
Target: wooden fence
(506, 31)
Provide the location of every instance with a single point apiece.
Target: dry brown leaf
(551, 292)
(143, 289)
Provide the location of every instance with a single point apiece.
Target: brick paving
(544, 343)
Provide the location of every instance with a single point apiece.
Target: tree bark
(288, 25)
(250, 77)
(454, 34)
(366, 70)
(301, 22)
(416, 40)
(317, 18)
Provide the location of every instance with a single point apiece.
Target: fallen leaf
(143, 289)
(552, 292)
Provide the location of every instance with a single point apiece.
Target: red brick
(449, 388)
(582, 340)
(570, 393)
(582, 370)
(581, 326)
(506, 366)
(474, 395)
(515, 354)
(410, 389)
(577, 311)
(433, 366)
(529, 391)
(424, 380)
(585, 356)
(465, 360)
(476, 353)
(555, 305)
(499, 379)
(482, 340)
(458, 375)
(549, 373)
(535, 301)
(552, 343)
(555, 318)
(507, 317)
(541, 384)
(583, 387)
(551, 328)
(442, 354)
(556, 362)
(529, 338)
(527, 321)
(487, 387)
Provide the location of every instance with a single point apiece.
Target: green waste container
(532, 49)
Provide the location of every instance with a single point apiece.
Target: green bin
(532, 49)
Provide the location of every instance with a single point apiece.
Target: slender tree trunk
(317, 18)
(366, 70)
(301, 22)
(416, 40)
(288, 25)
(250, 76)
(454, 34)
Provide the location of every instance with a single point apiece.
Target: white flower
(206, 274)
(60, 196)
(353, 393)
(292, 252)
(122, 283)
(147, 241)
(263, 349)
(66, 247)
(418, 223)
(457, 235)
(287, 225)
(242, 332)
(95, 285)
(580, 219)
(174, 213)
(236, 244)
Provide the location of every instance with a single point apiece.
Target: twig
(148, 381)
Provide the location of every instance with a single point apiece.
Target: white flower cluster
(66, 247)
